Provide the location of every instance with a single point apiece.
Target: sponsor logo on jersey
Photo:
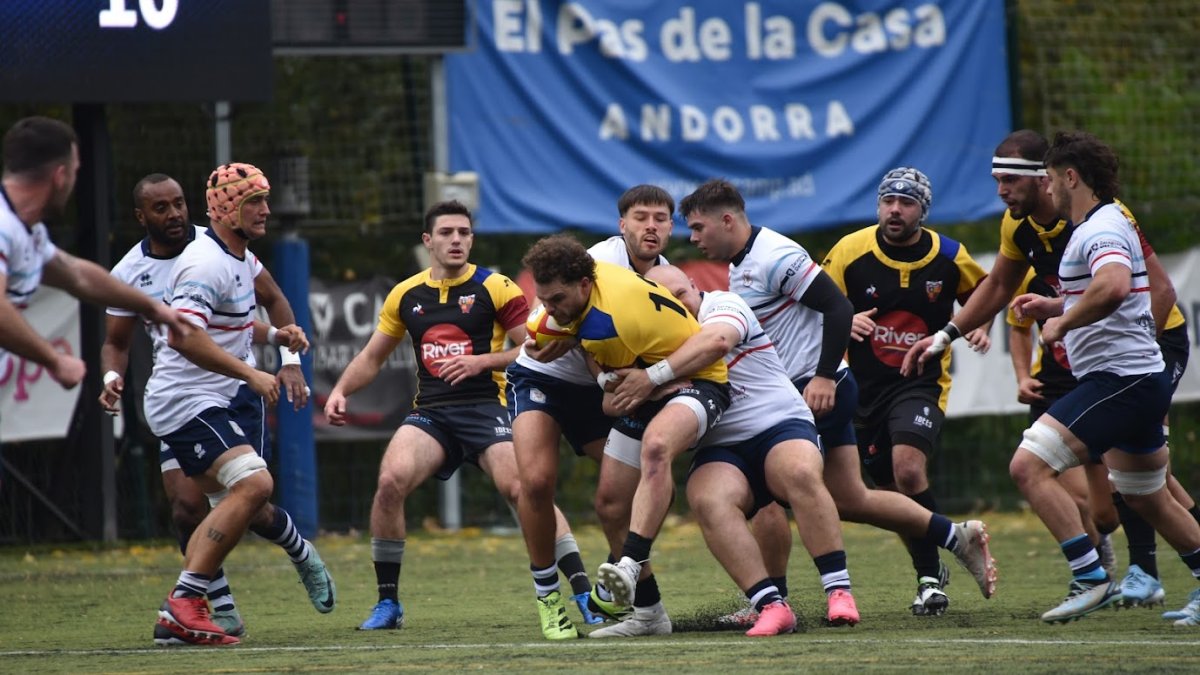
(932, 290)
(442, 342)
(145, 279)
(417, 309)
(871, 292)
(895, 332)
(466, 302)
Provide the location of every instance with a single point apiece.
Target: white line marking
(615, 644)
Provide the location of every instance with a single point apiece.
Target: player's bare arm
(988, 298)
(1109, 288)
(700, 351)
(114, 358)
(199, 348)
(88, 281)
(1020, 346)
(18, 337)
(1162, 292)
(362, 370)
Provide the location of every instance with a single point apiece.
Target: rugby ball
(543, 328)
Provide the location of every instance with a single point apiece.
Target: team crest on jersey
(466, 302)
(933, 289)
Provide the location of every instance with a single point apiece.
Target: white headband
(1017, 166)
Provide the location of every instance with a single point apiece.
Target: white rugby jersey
(761, 395)
(148, 273)
(214, 290)
(1123, 342)
(771, 274)
(571, 367)
(23, 253)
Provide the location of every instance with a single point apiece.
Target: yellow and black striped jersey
(912, 289)
(469, 314)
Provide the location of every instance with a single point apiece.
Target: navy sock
(1143, 549)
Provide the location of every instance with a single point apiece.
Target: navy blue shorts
(245, 412)
(576, 408)
(463, 431)
(750, 457)
(1112, 411)
(836, 427)
(908, 420)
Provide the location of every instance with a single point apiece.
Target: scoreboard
(100, 51)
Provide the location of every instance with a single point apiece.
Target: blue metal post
(297, 475)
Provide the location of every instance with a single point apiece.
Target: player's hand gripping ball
(543, 329)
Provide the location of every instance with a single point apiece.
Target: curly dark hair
(559, 258)
(1091, 157)
(717, 193)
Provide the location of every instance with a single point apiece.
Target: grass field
(469, 605)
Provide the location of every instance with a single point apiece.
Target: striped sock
(1083, 559)
(190, 585)
(763, 593)
(545, 581)
(832, 568)
(282, 531)
(220, 596)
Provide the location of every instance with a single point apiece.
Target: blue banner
(802, 104)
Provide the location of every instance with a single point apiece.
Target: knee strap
(1044, 441)
(238, 468)
(1138, 482)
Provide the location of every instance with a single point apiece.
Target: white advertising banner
(32, 405)
(986, 385)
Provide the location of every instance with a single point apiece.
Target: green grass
(469, 606)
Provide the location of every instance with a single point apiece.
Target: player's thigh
(843, 473)
(617, 483)
(535, 443)
(674, 429)
(791, 464)
(411, 457)
(717, 484)
(499, 462)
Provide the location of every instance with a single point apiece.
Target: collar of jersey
(1047, 233)
(212, 233)
(737, 259)
(935, 247)
(447, 283)
(191, 237)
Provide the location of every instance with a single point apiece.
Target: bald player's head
(679, 284)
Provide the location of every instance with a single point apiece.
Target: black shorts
(914, 420)
(463, 431)
(1175, 350)
(712, 397)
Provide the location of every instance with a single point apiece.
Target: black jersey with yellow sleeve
(469, 314)
(631, 321)
(1051, 367)
(912, 289)
(1042, 247)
